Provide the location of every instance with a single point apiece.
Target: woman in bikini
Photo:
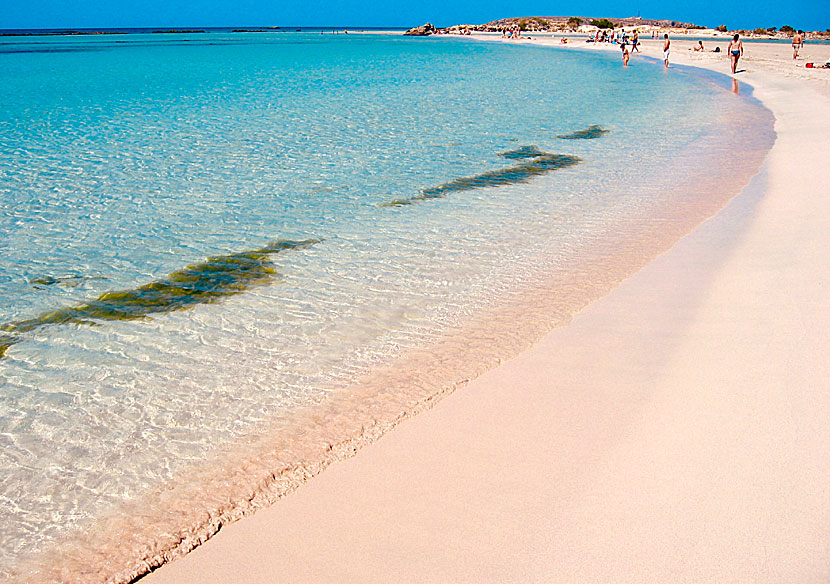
(736, 51)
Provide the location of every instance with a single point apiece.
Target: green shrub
(534, 23)
(602, 23)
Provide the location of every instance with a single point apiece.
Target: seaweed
(207, 282)
(6, 341)
(522, 153)
(72, 281)
(588, 133)
(536, 163)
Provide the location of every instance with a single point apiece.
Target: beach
(674, 430)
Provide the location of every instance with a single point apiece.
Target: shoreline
(408, 448)
(691, 451)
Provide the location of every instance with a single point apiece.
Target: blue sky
(807, 14)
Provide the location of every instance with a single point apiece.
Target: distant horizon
(336, 27)
(333, 27)
(212, 27)
(812, 15)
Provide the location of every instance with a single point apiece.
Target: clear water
(132, 164)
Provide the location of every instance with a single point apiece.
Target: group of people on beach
(513, 32)
(735, 48)
(631, 44)
(621, 37)
(614, 36)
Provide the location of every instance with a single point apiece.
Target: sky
(806, 14)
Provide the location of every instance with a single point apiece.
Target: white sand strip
(677, 431)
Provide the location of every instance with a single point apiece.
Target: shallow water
(136, 175)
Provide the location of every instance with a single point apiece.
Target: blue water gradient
(131, 164)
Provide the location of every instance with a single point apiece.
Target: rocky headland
(561, 24)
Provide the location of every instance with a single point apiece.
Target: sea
(228, 259)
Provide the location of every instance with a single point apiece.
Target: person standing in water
(625, 54)
(666, 49)
(736, 51)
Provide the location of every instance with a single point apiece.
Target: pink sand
(678, 430)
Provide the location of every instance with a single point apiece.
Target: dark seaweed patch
(507, 176)
(588, 133)
(203, 283)
(43, 282)
(537, 163)
(5, 342)
(522, 153)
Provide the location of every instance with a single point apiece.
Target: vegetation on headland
(586, 24)
(562, 23)
(781, 33)
(574, 22)
(602, 23)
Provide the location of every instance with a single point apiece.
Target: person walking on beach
(635, 42)
(666, 49)
(736, 51)
(798, 41)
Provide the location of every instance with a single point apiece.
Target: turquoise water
(202, 233)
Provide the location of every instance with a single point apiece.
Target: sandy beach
(675, 431)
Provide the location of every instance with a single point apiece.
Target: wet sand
(676, 430)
